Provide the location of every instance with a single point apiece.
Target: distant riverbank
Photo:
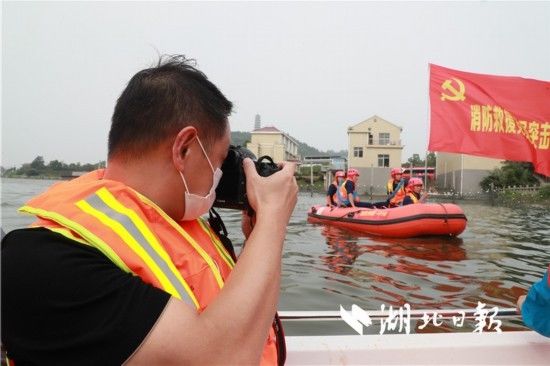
(507, 198)
(37, 177)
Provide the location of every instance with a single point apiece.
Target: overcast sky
(310, 69)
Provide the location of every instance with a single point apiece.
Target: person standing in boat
(120, 267)
(396, 188)
(535, 307)
(332, 192)
(347, 193)
(414, 189)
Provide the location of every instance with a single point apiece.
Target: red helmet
(339, 174)
(415, 182)
(396, 171)
(353, 172)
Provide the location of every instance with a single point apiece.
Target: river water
(495, 260)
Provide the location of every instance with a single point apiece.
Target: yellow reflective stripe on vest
(217, 243)
(413, 197)
(131, 229)
(91, 238)
(205, 256)
(67, 233)
(389, 186)
(152, 245)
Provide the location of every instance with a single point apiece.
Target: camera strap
(216, 223)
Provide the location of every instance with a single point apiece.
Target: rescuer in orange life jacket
(332, 192)
(119, 266)
(395, 188)
(414, 188)
(347, 194)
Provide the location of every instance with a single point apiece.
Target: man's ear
(181, 146)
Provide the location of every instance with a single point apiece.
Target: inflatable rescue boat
(399, 222)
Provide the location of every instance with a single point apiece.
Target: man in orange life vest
(396, 188)
(347, 194)
(332, 192)
(121, 268)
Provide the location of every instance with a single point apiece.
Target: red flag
(493, 116)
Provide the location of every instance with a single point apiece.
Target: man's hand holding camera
(272, 198)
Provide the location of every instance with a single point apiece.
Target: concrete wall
(375, 177)
(470, 184)
(448, 171)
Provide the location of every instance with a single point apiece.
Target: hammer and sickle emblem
(456, 94)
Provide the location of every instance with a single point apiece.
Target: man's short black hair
(158, 102)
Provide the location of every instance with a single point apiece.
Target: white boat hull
(507, 348)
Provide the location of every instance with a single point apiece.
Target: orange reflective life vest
(185, 259)
(413, 197)
(343, 193)
(398, 197)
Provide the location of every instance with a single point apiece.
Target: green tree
(75, 166)
(55, 165)
(431, 159)
(240, 138)
(414, 161)
(38, 163)
(32, 172)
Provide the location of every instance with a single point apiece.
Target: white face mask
(196, 206)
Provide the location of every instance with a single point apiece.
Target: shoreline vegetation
(55, 169)
(513, 185)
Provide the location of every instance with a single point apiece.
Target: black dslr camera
(231, 191)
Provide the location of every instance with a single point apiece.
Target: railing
(384, 142)
(526, 189)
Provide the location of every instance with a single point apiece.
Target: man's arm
(329, 200)
(350, 189)
(234, 327)
(330, 194)
(351, 199)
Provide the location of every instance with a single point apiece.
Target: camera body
(231, 191)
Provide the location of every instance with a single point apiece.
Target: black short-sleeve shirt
(65, 303)
(350, 187)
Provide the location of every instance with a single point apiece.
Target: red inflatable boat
(399, 222)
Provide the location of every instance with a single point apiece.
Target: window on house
(358, 152)
(383, 160)
(384, 138)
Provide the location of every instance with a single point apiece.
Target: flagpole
(445, 177)
(461, 173)
(426, 171)
(428, 134)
